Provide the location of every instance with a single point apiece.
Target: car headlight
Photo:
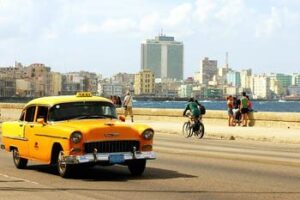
(76, 137)
(148, 134)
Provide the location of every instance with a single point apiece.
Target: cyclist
(193, 107)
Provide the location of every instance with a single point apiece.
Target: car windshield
(82, 110)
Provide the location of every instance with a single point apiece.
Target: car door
(41, 141)
(29, 129)
(16, 128)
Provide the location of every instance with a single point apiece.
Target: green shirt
(244, 102)
(193, 107)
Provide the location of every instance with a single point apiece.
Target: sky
(104, 36)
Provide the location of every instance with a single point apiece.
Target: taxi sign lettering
(84, 94)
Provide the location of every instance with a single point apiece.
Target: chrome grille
(111, 146)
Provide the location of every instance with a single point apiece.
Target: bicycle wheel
(200, 132)
(186, 130)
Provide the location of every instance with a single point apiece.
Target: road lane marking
(16, 178)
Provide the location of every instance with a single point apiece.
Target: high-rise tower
(163, 56)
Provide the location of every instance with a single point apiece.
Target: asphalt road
(184, 169)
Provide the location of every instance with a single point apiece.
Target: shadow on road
(113, 173)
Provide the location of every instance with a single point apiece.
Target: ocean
(259, 106)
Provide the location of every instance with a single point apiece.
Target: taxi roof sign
(84, 94)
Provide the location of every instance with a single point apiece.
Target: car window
(29, 117)
(42, 112)
(82, 110)
(22, 116)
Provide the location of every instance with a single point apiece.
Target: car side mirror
(41, 121)
(122, 118)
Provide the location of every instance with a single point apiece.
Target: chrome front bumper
(104, 157)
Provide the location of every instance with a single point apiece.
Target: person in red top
(250, 105)
(230, 110)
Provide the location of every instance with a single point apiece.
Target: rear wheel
(137, 167)
(200, 132)
(19, 162)
(186, 129)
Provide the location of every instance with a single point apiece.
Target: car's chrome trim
(50, 136)
(102, 157)
(16, 138)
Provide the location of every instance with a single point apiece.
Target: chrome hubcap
(16, 156)
(61, 163)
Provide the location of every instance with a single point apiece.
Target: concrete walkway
(279, 135)
(282, 135)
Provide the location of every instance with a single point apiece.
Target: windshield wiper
(89, 117)
(109, 116)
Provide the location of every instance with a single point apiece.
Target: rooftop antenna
(226, 61)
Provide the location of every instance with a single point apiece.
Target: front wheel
(186, 129)
(65, 170)
(19, 162)
(137, 167)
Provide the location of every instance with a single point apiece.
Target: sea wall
(12, 111)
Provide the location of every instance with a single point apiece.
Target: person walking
(244, 109)
(128, 105)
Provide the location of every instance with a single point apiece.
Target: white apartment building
(246, 76)
(275, 87)
(231, 90)
(185, 90)
(296, 79)
(261, 87)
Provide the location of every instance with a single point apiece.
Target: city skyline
(96, 36)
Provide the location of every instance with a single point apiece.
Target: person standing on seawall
(230, 110)
(244, 108)
(128, 105)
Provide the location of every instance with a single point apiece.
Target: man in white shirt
(128, 105)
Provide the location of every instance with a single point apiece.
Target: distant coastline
(148, 98)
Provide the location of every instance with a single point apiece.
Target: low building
(24, 88)
(7, 87)
(73, 82)
(294, 90)
(144, 83)
(111, 89)
(212, 93)
(56, 83)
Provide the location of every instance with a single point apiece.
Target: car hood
(110, 129)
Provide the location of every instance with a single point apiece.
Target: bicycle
(193, 127)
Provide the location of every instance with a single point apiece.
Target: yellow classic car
(71, 131)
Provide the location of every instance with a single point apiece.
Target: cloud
(109, 26)
(117, 25)
(204, 10)
(278, 21)
(231, 11)
(180, 14)
(203, 25)
(150, 22)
